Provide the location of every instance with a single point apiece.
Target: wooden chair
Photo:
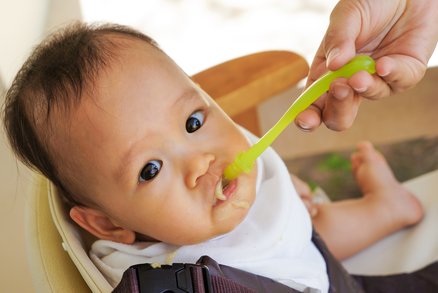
(241, 84)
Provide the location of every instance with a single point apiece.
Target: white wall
(23, 23)
(21, 26)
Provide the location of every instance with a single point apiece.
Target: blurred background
(196, 33)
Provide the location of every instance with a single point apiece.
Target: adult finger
(368, 86)
(341, 106)
(310, 119)
(338, 44)
(340, 38)
(400, 72)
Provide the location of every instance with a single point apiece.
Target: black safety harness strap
(184, 278)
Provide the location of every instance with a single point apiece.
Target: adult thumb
(340, 38)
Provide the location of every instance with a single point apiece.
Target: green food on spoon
(244, 161)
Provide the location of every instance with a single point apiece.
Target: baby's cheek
(241, 204)
(244, 199)
(231, 216)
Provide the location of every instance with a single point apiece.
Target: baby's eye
(195, 121)
(149, 171)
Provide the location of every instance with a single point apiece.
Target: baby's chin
(226, 221)
(236, 210)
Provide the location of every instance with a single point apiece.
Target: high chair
(58, 249)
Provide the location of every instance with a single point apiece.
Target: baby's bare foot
(377, 182)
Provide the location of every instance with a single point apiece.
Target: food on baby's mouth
(218, 192)
(240, 204)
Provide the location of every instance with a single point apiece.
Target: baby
(139, 150)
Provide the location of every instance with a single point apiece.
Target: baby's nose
(197, 166)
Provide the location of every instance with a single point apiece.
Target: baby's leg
(376, 180)
(349, 226)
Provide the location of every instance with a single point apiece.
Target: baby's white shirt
(274, 240)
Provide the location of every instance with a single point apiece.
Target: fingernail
(360, 90)
(341, 92)
(384, 73)
(332, 55)
(303, 125)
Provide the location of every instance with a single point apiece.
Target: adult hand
(400, 35)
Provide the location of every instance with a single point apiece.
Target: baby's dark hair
(57, 73)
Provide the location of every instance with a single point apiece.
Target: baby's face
(153, 146)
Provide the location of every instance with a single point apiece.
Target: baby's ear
(100, 225)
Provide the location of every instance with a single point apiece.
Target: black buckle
(175, 278)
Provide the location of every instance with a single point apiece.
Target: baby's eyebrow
(125, 163)
(187, 96)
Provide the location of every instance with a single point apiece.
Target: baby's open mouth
(219, 191)
(224, 189)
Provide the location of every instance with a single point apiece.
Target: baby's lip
(229, 188)
(223, 193)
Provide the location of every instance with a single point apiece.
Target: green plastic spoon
(244, 161)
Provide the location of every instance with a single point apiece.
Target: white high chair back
(57, 248)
